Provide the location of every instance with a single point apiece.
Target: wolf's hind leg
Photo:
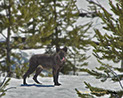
(38, 71)
(25, 76)
(29, 71)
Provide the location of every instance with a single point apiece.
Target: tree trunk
(56, 28)
(74, 66)
(121, 64)
(8, 42)
(8, 53)
(74, 70)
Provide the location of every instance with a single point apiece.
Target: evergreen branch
(101, 92)
(90, 1)
(84, 10)
(3, 81)
(2, 48)
(118, 69)
(3, 35)
(83, 95)
(2, 94)
(86, 13)
(3, 85)
(2, 62)
(115, 74)
(10, 88)
(6, 5)
(95, 73)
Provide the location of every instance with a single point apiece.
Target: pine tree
(14, 14)
(65, 32)
(110, 47)
(43, 23)
(39, 27)
(78, 42)
(6, 23)
(110, 43)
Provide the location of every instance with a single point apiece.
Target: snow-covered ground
(48, 90)
(69, 83)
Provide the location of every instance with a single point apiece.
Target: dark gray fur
(44, 61)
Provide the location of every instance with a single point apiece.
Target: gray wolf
(39, 62)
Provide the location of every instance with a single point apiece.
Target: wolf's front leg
(55, 77)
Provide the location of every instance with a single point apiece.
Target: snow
(69, 83)
(48, 90)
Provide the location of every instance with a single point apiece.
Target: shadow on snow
(37, 85)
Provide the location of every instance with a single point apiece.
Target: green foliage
(110, 47)
(19, 70)
(111, 42)
(17, 14)
(99, 92)
(66, 33)
(103, 73)
(68, 67)
(78, 40)
(3, 86)
(84, 95)
(98, 75)
(42, 23)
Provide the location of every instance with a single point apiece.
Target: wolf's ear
(57, 49)
(65, 49)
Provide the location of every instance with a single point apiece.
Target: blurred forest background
(41, 24)
(46, 24)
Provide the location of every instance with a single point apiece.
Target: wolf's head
(61, 53)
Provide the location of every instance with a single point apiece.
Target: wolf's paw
(35, 79)
(57, 84)
(24, 84)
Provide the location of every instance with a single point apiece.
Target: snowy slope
(47, 89)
